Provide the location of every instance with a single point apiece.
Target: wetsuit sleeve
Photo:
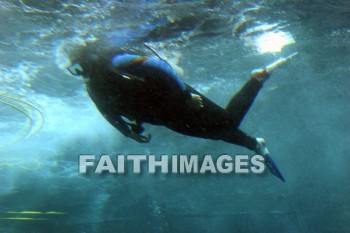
(122, 126)
(119, 124)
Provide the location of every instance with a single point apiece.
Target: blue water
(47, 119)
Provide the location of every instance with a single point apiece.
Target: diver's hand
(196, 101)
(136, 128)
(140, 138)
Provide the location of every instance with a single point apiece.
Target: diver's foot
(260, 74)
(261, 148)
(270, 164)
(197, 101)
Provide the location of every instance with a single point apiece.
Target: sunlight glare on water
(273, 41)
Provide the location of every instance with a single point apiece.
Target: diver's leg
(242, 101)
(240, 138)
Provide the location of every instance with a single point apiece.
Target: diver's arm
(122, 126)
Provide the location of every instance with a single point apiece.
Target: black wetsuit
(155, 94)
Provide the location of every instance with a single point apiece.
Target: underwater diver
(146, 89)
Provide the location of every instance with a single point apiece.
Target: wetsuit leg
(243, 100)
(240, 138)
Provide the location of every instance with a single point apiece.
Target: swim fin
(273, 168)
(262, 150)
(279, 62)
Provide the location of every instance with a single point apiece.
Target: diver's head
(95, 56)
(84, 63)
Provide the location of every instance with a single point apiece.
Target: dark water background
(303, 113)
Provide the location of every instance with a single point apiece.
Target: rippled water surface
(47, 118)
